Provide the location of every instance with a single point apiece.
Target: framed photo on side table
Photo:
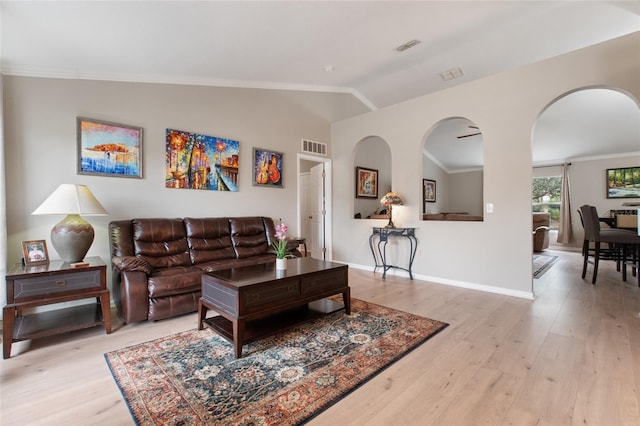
(366, 183)
(35, 252)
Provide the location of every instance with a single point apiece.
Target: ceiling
(318, 46)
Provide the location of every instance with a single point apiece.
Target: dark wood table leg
(346, 298)
(8, 323)
(105, 305)
(202, 314)
(238, 336)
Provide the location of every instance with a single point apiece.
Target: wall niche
(372, 153)
(453, 162)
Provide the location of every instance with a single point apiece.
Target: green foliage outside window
(545, 197)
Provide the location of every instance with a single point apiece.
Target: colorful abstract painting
(196, 161)
(267, 168)
(109, 149)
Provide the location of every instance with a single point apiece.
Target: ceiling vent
(314, 147)
(451, 74)
(407, 45)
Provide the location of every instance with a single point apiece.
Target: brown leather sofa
(157, 264)
(540, 231)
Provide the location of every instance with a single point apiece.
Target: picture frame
(428, 191)
(366, 183)
(108, 149)
(267, 168)
(203, 162)
(35, 252)
(623, 182)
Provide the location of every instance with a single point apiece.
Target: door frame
(328, 209)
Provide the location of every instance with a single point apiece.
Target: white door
(305, 207)
(317, 212)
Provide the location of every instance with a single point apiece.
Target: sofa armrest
(131, 264)
(133, 303)
(541, 228)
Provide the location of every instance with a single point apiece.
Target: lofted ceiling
(318, 46)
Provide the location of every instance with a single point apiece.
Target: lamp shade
(72, 236)
(71, 199)
(391, 199)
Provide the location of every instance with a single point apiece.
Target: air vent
(314, 147)
(407, 45)
(451, 74)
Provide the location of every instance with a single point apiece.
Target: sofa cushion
(176, 280)
(161, 242)
(248, 236)
(209, 239)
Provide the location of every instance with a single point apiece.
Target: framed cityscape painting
(109, 149)
(196, 161)
(267, 168)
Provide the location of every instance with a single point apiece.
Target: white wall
(495, 254)
(466, 192)
(40, 138)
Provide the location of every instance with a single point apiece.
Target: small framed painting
(35, 252)
(109, 149)
(267, 168)
(366, 183)
(428, 191)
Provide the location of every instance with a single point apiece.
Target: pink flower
(280, 246)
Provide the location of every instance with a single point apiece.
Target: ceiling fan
(470, 134)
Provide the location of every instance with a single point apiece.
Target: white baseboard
(454, 283)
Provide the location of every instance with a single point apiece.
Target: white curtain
(565, 228)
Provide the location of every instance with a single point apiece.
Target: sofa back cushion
(209, 239)
(248, 236)
(161, 242)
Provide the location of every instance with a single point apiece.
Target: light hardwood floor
(570, 357)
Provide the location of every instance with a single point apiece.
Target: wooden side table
(32, 286)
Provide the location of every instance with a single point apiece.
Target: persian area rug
(193, 378)
(542, 263)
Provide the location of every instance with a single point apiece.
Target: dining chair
(623, 244)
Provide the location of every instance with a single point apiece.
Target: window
(545, 197)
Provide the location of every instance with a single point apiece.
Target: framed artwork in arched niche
(372, 162)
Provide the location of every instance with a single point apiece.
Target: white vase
(281, 264)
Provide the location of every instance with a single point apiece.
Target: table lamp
(72, 236)
(391, 199)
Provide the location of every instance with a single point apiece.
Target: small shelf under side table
(56, 282)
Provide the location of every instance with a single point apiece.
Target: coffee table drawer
(279, 292)
(323, 282)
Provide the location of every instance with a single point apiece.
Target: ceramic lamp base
(71, 238)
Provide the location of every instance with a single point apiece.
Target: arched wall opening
(596, 129)
(452, 171)
(372, 177)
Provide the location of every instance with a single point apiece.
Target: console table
(383, 235)
(55, 282)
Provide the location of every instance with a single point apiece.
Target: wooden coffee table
(256, 301)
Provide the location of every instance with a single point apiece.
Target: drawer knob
(61, 283)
